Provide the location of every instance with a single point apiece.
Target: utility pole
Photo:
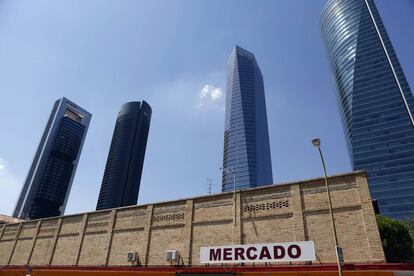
(210, 184)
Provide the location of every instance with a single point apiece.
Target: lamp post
(317, 143)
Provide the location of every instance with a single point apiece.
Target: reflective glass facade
(377, 126)
(246, 137)
(47, 186)
(122, 177)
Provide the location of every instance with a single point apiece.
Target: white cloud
(2, 164)
(211, 91)
(209, 94)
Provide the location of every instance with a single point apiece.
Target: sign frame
(301, 251)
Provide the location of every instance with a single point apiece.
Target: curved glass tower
(246, 157)
(122, 177)
(375, 102)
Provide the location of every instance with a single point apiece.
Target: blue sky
(101, 54)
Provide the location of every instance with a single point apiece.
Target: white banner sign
(266, 252)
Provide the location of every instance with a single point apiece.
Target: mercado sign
(266, 252)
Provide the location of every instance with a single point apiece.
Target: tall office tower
(246, 158)
(375, 102)
(122, 177)
(48, 183)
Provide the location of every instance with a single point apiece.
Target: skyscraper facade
(48, 183)
(122, 177)
(375, 102)
(246, 158)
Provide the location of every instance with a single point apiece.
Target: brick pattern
(6, 248)
(213, 208)
(162, 239)
(35, 234)
(188, 232)
(94, 249)
(125, 241)
(131, 218)
(40, 251)
(10, 232)
(65, 251)
(21, 251)
(70, 226)
(209, 234)
(51, 250)
(290, 212)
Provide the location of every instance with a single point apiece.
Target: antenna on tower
(209, 185)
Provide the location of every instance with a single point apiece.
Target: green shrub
(396, 240)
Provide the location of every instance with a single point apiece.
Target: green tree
(410, 226)
(396, 240)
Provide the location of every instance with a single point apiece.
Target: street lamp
(317, 143)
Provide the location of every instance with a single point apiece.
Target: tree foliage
(396, 240)
(410, 226)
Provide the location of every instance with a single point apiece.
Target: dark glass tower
(246, 139)
(375, 102)
(48, 183)
(122, 177)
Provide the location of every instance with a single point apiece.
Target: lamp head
(316, 142)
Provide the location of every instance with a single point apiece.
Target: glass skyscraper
(122, 177)
(375, 102)
(246, 157)
(48, 183)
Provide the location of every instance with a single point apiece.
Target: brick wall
(280, 213)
